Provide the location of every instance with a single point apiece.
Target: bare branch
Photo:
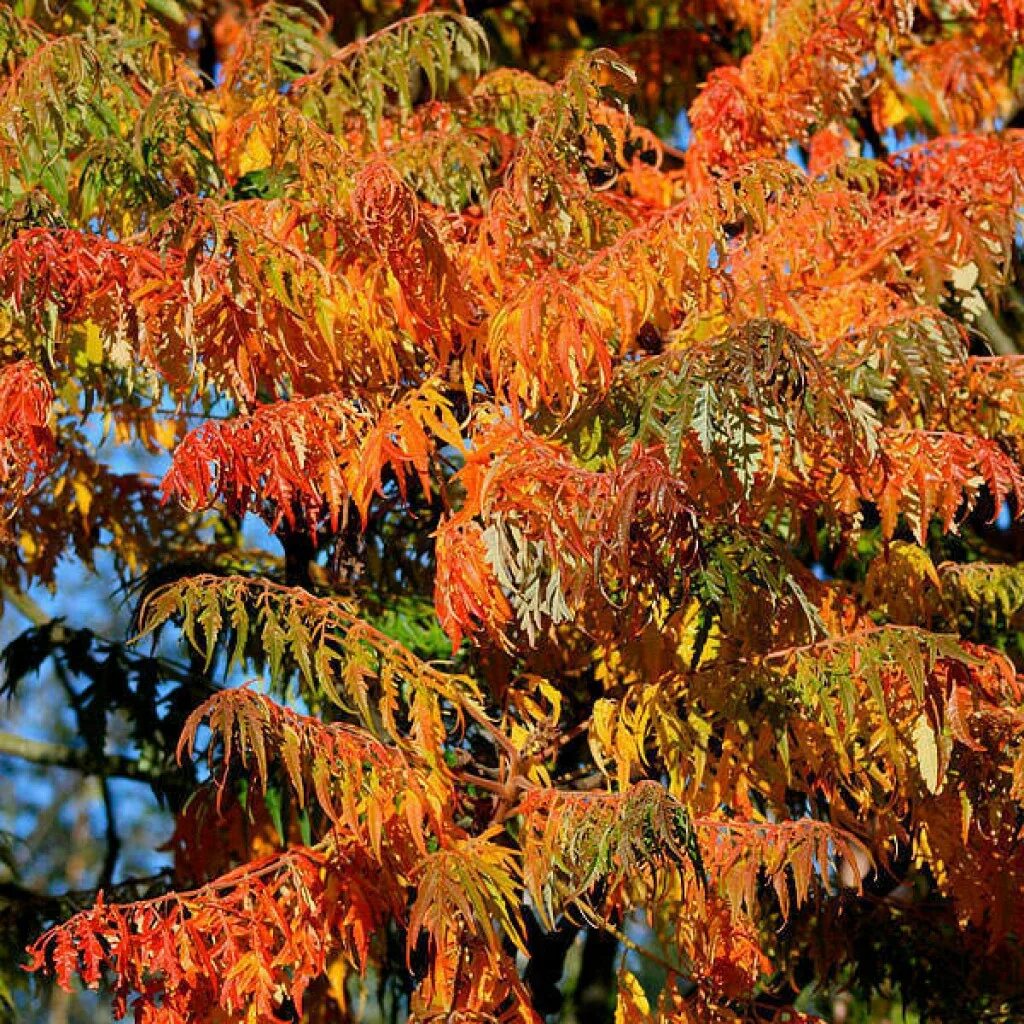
(58, 755)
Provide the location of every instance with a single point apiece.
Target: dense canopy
(629, 633)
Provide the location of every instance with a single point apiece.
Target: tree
(638, 642)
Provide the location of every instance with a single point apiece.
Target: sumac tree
(637, 641)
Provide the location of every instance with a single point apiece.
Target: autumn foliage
(552, 421)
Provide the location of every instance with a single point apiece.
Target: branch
(44, 907)
(1001, 342)
(106, 876)
(24, 604)
(58, 755)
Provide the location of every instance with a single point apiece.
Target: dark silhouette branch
(59, 755)
(113, 838)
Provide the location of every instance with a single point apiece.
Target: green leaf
(169, 9)
(705, 412)
(274, 799)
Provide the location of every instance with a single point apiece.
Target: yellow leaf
(897, 582)
(687, 624)
(93, 342)
(337, 974)
(890, 109)
(256, 155)
(165, 433)
(633, 1004)
(927, 753)
(83, 496)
